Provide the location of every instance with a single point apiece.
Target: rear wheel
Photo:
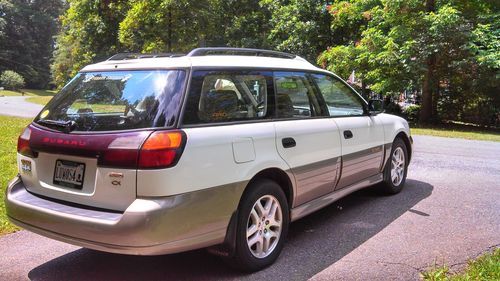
(396, 168)
(263, 219)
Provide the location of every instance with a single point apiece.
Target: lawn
(35, 96)
(454, 132)
(486, 267)
(10, 128)
(28, 92)
(43, 100)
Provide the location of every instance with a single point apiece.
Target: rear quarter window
(227, 96)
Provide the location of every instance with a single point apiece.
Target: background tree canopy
(27, 28)
(447, 50)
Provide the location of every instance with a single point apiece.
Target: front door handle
(288, 142)
(348, 134)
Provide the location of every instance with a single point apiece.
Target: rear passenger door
(362, 135)
(306, 138)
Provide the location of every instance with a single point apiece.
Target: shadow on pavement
(314, 243)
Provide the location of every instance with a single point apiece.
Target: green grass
(35, 96)
(462, 132)
(10, 128)
(43, 100)
(486, 267)
(28, 92)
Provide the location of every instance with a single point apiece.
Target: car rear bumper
(149, 226)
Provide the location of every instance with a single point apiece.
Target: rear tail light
(23, 144)
(123, 152)
(162, 149)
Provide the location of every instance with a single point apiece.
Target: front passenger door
(362, 135)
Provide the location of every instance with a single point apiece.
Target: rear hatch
(85, 145)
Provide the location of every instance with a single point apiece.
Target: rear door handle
(288, 142)
(348, 134)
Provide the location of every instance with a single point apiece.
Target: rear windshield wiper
(67, 126)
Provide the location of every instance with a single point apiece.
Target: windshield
(116, 100)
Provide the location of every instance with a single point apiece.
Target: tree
(27, 28)
(300, 26)
(89, 33)
(164, 25)
(416, 44)
(179, 26)
(95, 30)
(11, 80)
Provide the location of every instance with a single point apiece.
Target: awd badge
(116, 178)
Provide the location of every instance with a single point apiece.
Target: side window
(295, 96)
(340, 99)
(226, 96)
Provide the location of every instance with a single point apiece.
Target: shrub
(11, 80)
(411, 112)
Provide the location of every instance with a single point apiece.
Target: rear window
(116, 100)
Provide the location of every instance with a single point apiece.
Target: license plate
(69, 174)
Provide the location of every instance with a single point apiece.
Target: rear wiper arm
(68, 126)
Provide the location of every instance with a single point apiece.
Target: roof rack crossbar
(239, 52)
(129, 56)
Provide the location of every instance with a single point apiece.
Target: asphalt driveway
(448, 212)
(19, 107)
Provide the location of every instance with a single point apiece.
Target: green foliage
(165, 25)
(26, 38)
(89, 33)
(95, 30)
(486, 267)
(300, 26)
(402, 45)
(412, 112)
(11, 80)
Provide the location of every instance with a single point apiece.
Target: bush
(412, 112)
(11, 80)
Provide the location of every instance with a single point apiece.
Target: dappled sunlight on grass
(10, 128)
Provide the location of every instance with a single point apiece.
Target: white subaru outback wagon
(223, 147)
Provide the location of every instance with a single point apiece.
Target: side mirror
(375, 107)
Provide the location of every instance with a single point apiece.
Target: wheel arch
(227, 248)
(402, 135)
(280, 177)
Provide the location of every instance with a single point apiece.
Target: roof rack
(130, 56)
(239, 52)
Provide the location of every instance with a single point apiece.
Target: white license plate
(69, 174)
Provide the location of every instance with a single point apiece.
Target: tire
(250, 252)
(398, 163)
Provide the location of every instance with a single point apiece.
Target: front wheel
(396, 168)
(263, 219)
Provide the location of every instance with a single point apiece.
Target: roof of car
(202, 61)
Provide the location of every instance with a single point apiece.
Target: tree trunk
(426, 113)
(435, 98)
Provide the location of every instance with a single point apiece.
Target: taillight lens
(23, 144)
(162, 149)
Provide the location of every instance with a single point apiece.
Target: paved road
(18, 106)
(448, 212)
